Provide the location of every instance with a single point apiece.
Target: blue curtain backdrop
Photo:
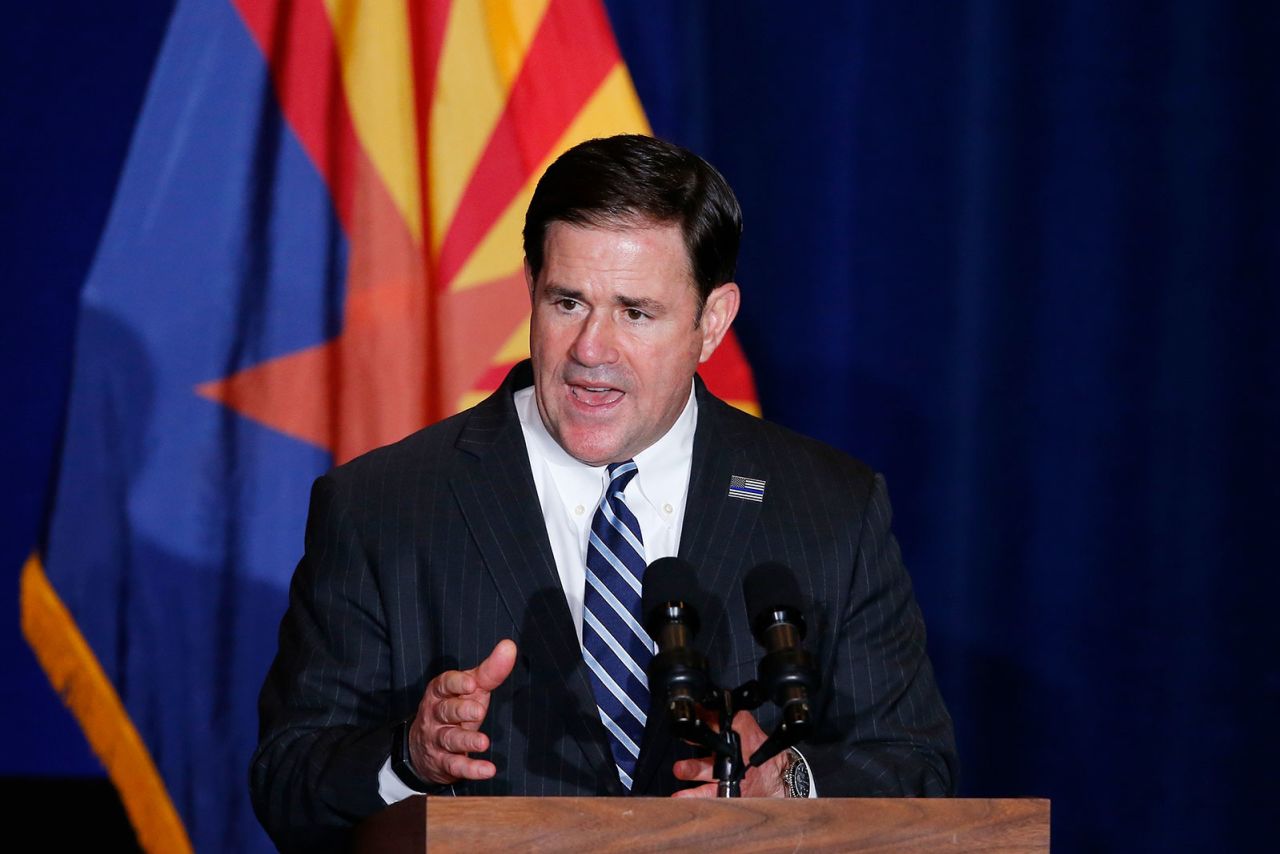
(1024, 258)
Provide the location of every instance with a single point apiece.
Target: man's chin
(592, 448)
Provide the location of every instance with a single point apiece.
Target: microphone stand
(728, 767)
(785, 673)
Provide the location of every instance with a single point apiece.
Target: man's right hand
(447, 725)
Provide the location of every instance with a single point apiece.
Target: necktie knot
(620, 474)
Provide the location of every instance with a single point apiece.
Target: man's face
(614, 338)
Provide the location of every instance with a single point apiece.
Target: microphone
(787, 672)
(678, 670)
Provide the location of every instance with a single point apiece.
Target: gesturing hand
(762, 782)
(447, 725)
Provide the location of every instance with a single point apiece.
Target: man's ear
(717, 316)
(528, 279)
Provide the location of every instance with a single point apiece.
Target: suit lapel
(499, 501)
(717, 527)
(713, 539)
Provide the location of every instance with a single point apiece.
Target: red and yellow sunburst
(431, 123)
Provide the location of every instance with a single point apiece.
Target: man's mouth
(596, 395)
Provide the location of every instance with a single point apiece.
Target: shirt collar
(663, 467)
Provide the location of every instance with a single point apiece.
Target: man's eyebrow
(556, 292)
(645, 304)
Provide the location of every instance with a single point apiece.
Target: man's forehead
(636, 226)
(629, 240)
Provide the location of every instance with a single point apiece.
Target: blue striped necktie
(614, 643)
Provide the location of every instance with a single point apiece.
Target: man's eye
(567, 304)
(635, 314)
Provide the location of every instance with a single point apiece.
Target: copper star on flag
(431, 155)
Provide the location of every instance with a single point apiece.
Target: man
(464, 619)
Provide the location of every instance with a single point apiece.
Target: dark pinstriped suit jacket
(422, 555)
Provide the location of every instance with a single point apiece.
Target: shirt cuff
(390, 787)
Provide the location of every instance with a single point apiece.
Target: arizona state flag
(314, 250)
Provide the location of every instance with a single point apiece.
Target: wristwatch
(402, 765)
(796, 776)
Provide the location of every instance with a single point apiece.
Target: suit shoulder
(822, 464)
(430, 449)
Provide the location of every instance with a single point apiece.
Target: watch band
(796, 776)
(402, 765)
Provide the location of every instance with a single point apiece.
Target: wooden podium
(475, 825)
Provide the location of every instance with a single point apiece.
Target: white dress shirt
(569, 492)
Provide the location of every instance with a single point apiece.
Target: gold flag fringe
(77, 676)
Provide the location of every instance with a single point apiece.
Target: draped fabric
(314, 250)
(1021, 257)
(1024, 258)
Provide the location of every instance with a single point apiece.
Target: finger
(710, 717)
(495, 669)
(692, 769)
(453, 683)
(744, 724)
(459, 710)
(457, 740)
(710, 790)
(463, 768)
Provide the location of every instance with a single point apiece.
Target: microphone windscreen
(768, 586)
(667, 579)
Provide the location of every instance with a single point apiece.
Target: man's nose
(595, 343)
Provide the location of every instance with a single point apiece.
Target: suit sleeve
(324, 729)
(884, 729)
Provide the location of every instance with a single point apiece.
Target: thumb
(744, 723)
(495, 669)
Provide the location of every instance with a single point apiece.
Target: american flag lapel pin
(746, 488)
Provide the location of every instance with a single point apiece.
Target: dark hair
(625, 180)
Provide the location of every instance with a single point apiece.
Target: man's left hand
(762, 782)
